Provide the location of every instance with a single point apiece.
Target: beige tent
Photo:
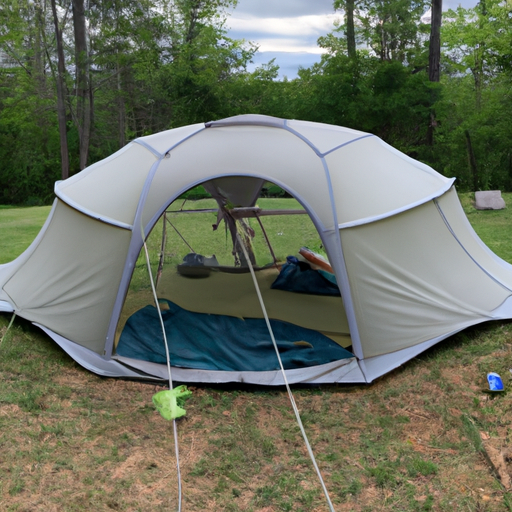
(410, 268)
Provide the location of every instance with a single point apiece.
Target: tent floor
(233, 294)
(345, 370)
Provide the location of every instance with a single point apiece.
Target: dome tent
(410, 268)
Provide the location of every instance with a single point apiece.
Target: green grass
(492, 226)
(18, 228)
(415, 440)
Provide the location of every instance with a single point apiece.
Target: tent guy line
(285, 380)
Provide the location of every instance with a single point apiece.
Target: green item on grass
(169, 401)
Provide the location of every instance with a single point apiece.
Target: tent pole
(180, 235)
(267, 240)
(162, 251)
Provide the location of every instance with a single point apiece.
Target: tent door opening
(211, 311)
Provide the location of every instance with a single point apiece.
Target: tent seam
(96, 216)
(486, 272)
(149, 148)
(349, 142)
(410, 206)
(182, 141)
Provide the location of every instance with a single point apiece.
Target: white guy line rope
(292, 399)
(8, 327)
(175, 428)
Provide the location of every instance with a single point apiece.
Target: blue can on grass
(495, 382)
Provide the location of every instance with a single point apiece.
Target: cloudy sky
(288, 30)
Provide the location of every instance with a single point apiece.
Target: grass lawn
(18, 227)
(425, 437)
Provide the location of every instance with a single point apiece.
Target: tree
(434, 59)
(348, 6)
(391, 28)
(83, 87)
(473, 39)
(478, 107)
(434, 56)
(85, 77)
(61, 94)
(29, 144)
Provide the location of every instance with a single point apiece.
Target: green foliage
(195, 193)
(476, 99)
(154, 65)
(157, 64)
(391, 29)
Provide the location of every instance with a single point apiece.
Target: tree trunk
(434, 56)
(471, 161)
(83, 89)
(61, 105)
(121, 110)
(351, 35)
(192, 14)
(434, 59)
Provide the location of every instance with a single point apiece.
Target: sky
(288, 30)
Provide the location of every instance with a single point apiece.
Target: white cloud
(299, 25)
(288, 30)
(287, 45)
(283, 8)
(293, 34)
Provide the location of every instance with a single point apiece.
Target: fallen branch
(496, 460)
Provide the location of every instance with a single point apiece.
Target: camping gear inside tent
(407, 269)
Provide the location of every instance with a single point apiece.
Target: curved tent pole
(339, 263)
(136, 243)
(332, 234)
(340, 269)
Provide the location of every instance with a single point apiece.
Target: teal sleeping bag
(219, 342)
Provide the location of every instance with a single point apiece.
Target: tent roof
(312, 160)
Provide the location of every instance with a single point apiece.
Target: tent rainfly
(410, 269)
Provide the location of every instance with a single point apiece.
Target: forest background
(81, 78)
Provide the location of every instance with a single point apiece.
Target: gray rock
(489, 200)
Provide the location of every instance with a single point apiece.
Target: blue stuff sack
(297, 276)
